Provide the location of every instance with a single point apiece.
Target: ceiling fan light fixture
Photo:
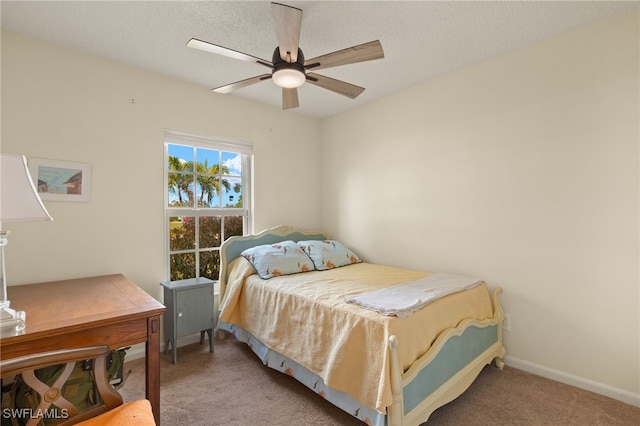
(289, 77)
(288, 65)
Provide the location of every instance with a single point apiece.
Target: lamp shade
(19, 200)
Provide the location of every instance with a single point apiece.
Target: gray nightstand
(189, 310)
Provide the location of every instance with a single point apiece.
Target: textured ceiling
(422, 40)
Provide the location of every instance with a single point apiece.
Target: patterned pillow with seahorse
(328, 254)
(283, 258)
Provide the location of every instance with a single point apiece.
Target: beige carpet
(231, 387)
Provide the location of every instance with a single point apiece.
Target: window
(207, 199)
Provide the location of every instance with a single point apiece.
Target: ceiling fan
(289, 69)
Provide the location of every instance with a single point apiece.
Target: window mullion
(197, 245)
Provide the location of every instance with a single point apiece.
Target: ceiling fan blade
(224, 51)
(290, 98)
(288, 21)
(350, 55)
(242, 83)
(341, 87)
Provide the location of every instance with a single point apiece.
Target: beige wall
(522, 170)
(64, 105)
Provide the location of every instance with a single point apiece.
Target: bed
(382, 369)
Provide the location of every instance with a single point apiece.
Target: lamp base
(11, 321)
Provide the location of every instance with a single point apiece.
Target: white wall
(522, 170)
(65, 105)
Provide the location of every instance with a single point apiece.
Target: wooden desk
(107, 310)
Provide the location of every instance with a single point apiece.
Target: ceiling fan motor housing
(288, 74)
(277, 58)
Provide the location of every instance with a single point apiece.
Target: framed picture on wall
(61, 180)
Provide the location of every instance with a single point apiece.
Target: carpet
(231, 387)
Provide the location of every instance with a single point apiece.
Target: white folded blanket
(404, 299)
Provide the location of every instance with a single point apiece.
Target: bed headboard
(232, 247)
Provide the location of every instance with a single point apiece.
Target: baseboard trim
(577, 381)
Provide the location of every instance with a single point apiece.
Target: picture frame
(61, 180)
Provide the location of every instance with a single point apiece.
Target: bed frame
(443, 373)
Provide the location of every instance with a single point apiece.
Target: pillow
(328, 254)
(273, 260)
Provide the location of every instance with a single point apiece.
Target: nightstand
(189, 310)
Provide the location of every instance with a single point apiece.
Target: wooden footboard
(449, 367)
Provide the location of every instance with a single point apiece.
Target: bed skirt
(281, 363)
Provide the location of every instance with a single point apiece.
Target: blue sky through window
(232, 160)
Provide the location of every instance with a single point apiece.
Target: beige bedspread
(304, 317)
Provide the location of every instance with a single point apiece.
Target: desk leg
(153, 365)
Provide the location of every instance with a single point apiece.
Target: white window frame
(243, 148)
